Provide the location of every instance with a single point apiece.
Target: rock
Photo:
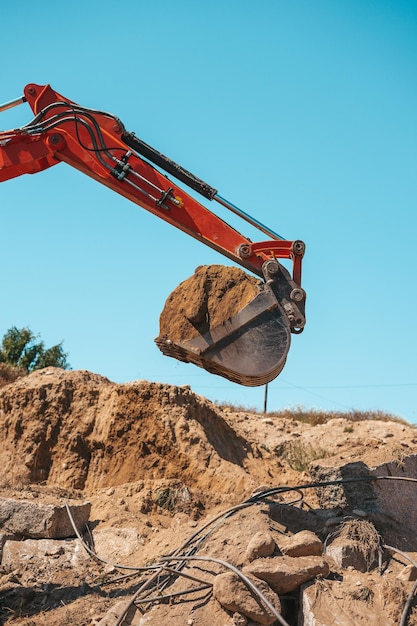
(350, 601)
(115, 544)
(42, 554)
(132, 617)
(332, 522)
(373, 496)
(357, 545)
(409, 573)
(233, 594)
(396, 498)
(286, 573)
(345, 555)
(262, 544)
(303, 543)
(344, 495)
(36, 520)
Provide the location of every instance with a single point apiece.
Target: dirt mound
(213, 294)
(168, 472)
(79, 430)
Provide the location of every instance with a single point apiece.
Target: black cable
(261, 497)
(73, 107)
(35, 126)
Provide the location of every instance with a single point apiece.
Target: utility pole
(265, 397)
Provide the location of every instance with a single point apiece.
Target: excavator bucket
(249, 348)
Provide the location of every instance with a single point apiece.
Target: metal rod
(179, 573)
(168, 165)
(12, 103)
(247, 217)
(173, 594)
(266, 397)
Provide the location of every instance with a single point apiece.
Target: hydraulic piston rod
(12, 103)
(191, 180)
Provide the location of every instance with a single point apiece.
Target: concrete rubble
(286, 573)
(234, 595)
(385, 496)
(278, 564)
(37, 520)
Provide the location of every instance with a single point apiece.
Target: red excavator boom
(97, 144)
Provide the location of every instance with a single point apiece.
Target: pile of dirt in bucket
(212, 295)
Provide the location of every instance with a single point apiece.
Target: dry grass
(173, 498)
(322, 417)
(362, 594)
(394, 596)
(299, 454)
(10, 373)
(364, 537)
(314, 418)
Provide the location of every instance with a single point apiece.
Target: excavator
(250, 348)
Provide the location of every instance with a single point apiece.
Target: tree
(20, 347)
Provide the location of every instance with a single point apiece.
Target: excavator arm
(97, 144)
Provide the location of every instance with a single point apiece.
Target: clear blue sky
(304, 114)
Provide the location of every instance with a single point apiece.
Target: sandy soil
(158, 462)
